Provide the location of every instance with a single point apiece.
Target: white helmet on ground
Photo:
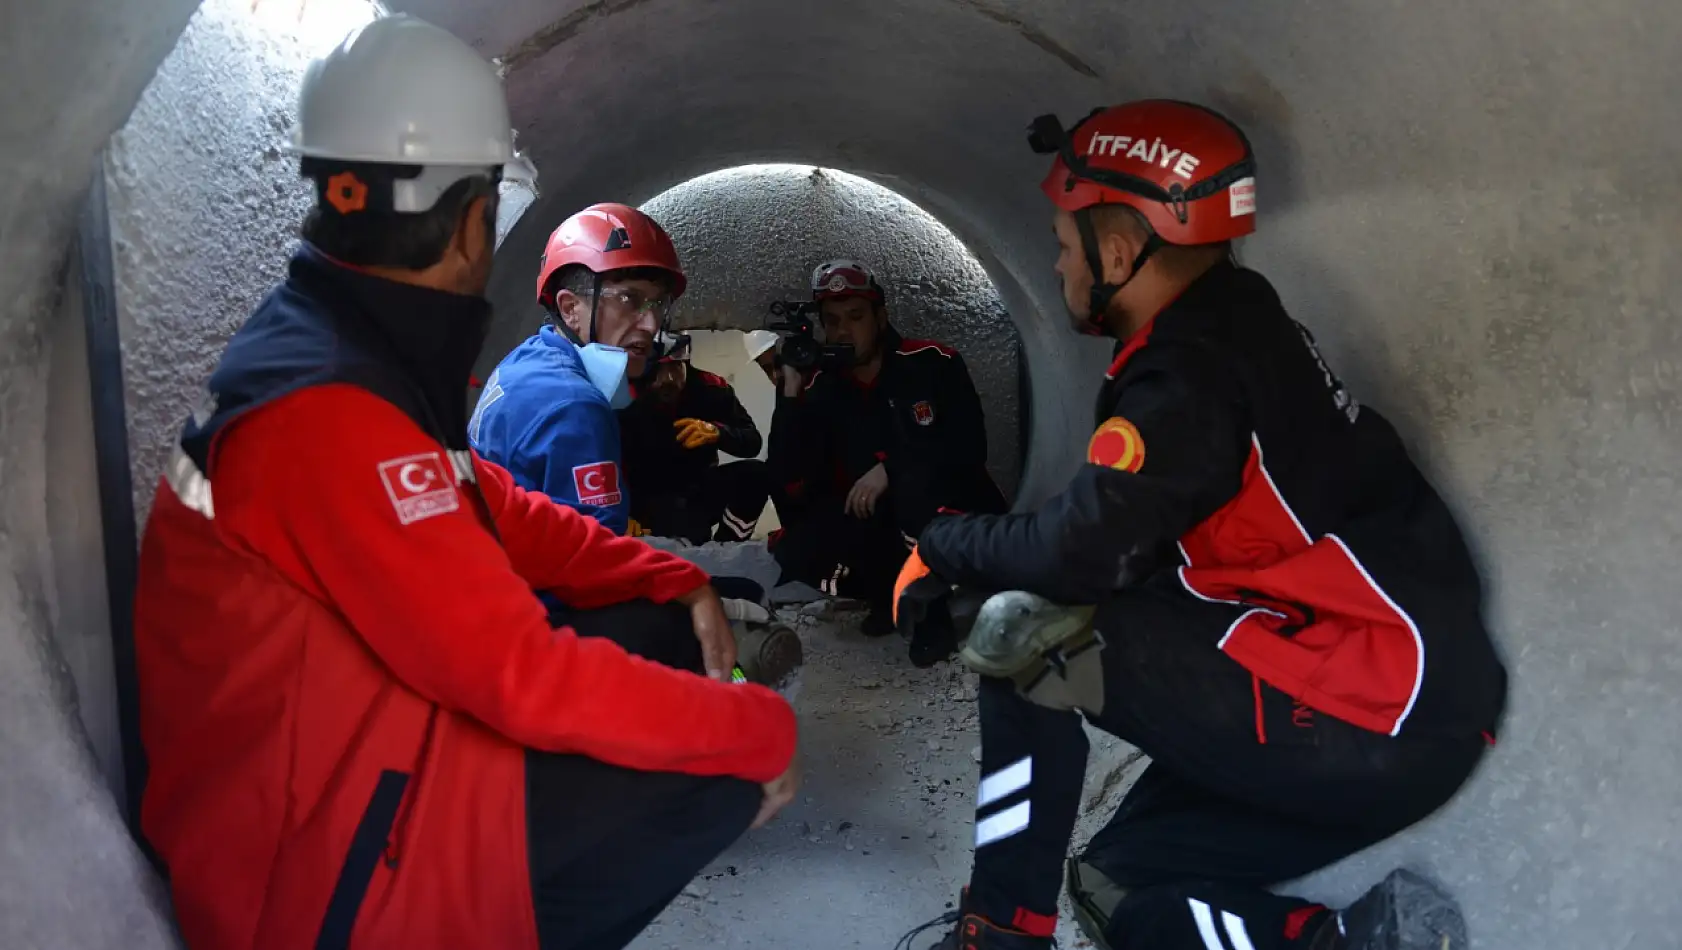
(400, 91)
(758, 341)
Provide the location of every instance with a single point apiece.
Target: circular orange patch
(346, 193)
(1118, 445)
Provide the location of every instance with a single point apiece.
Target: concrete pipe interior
(1471, 203)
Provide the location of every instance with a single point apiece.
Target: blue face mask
(606, 367)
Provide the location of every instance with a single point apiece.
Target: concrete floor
(879, 839)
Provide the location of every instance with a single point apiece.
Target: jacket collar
(433, 336)
(554, 339)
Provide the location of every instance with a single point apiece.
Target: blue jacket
(540, 417)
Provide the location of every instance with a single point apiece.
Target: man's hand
(779, 792)
(712, 628)
(861, 501)
(793, 381)
(694, 433)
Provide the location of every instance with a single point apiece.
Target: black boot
(972, 931)
(975, 932)
(1402, 912)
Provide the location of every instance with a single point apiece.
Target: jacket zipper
(406, 808)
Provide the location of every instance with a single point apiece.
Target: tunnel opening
(751, 234)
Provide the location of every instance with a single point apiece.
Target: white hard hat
(758, 341)
(673, 347)
(400, 91)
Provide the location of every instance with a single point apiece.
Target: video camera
(800, 348)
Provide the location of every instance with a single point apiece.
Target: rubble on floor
(879, 840)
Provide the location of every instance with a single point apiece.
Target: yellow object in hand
(633, 529)
(694, 433)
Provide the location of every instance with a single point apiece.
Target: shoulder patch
(420, 486)
(913, 347)
(711, 379)
(597, 483)
(1118, 445)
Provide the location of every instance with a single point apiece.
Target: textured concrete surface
(1471, 203)
(753, 235)
(205, 212)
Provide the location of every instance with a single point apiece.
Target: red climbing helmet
(845, 278)
(1189, 170)
(607, 237)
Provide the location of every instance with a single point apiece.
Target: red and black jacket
(656, 463)
(1228, 453)
(921, 419)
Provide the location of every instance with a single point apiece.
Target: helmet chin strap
(566, 328)
(1103, 293)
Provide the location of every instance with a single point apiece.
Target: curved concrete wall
(1472, 203)
(750, 236)
(69, 875)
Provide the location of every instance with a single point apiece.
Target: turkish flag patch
(1118, 445)
(597, 483)
(923, 412)
(420, 486)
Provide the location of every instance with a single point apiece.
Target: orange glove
(694, 433)
(912, 571)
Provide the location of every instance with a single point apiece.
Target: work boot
(1094, 898)
(1402, 912)
(769, 654)
(975, 932)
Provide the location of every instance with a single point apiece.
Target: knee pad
(1094, 898)
(1051, 653)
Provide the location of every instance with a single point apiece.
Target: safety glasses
(634, 303)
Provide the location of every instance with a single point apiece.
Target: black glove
(925, 620)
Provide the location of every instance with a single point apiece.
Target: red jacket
(335, 638)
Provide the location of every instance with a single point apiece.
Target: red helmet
(607, 237)
(845, 278)
(1189, 170)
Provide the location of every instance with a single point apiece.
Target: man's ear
(570, 309)
(473, 235)
(1118, 248)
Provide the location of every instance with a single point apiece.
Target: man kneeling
(1264, 572)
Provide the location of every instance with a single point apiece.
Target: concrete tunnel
(1473, 204)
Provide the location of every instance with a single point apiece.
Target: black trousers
(844, 556)
(1245, 789)
(731, 496)
(611, 847)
